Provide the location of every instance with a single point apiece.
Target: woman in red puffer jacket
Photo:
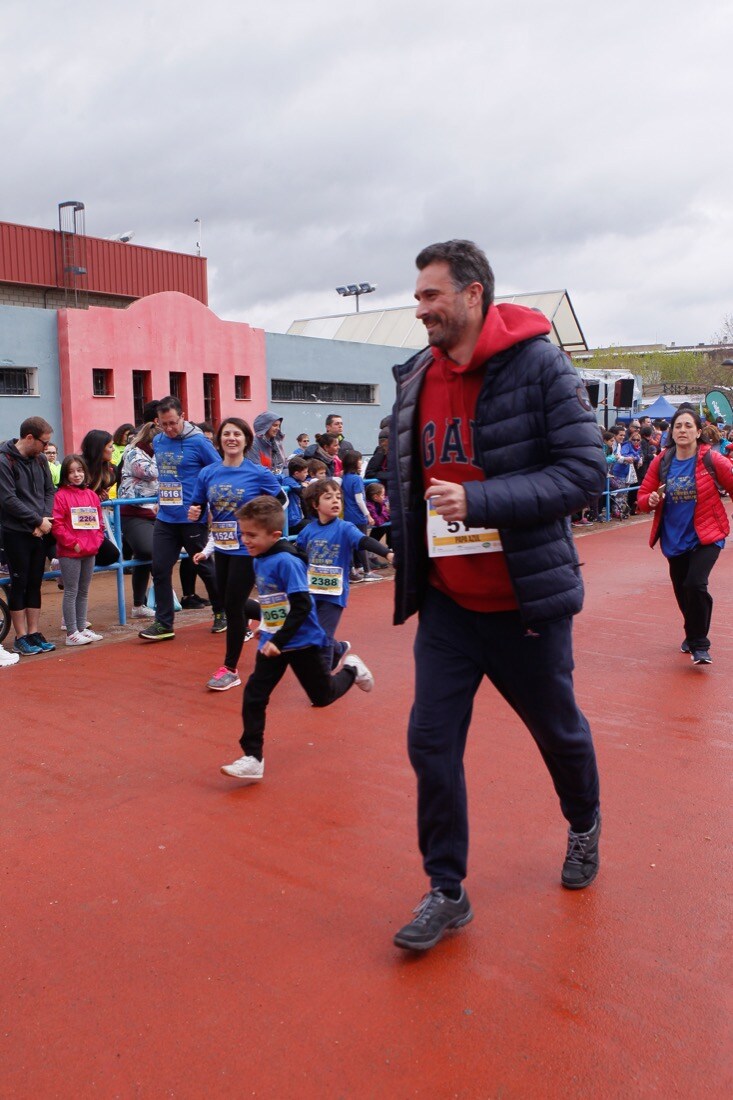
(681, 488)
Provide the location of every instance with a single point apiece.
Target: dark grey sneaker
(156, 632)
(433, 917)
(220, 623)
(582, 859)
(699, 656)
(685, 647)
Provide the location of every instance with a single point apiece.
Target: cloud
(583, 146)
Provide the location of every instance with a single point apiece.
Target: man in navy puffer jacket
(493, 446)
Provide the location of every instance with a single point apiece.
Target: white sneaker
(63, 625)
(247, 767)
(90, 635)
(8, 659)
(142, 612)
(77, 638)
(364, 678)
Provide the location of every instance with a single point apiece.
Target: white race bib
(84, 518)
(325, 580)
(447, 539)
(275, 610)
(224, 534)
(171, 494)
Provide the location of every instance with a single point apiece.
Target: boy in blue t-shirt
(294, 482)
(290, 633)
(330, 543)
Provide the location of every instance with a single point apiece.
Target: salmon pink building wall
(162, 333)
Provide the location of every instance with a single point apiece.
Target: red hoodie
(77, 520)
(479, 582)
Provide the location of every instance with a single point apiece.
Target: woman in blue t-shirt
(681, 488)
(224, 487)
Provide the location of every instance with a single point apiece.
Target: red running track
(167, 932)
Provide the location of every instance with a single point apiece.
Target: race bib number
(325, 580)
(224, 534)
(446, 539)
(274, 611)
(84, 519)
(171, 495)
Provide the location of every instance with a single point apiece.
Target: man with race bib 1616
(181, 451)
(493, 445)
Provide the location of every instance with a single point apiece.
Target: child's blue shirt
(277, 576)
(330, 547)
(351, 485)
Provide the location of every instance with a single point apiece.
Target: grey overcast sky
(583, 145)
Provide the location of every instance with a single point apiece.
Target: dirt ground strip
(167, 932)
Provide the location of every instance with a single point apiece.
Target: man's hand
(269, 649)
(45, 525)
(194, 513)
(449, 499)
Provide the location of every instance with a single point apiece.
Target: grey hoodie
(264, 451)
(26, 489)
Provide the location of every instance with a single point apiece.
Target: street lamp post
(353, 290)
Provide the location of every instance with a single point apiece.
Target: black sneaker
(43, 644)
(156, 632)
(219, 624)
(699, 656)
(582, 859)
(194, 603)
(433, 917)
(685, 647)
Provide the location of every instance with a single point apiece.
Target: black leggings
(138, 533)
(26, 557)
(235, 578)
(689, 573)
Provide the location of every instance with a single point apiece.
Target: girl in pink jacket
(78, 528)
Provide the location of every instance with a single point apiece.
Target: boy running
(330, 543)
(290, 633)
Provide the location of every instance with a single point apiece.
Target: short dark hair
(170, 402)
(646, 431)
(150, 411)
(333, 416)
(238, 423)
(64, 471)
(35, 426)
(467, 263)
(316, 464)
(297, 463)
(265, 511)
(313, 493)
(351, 462)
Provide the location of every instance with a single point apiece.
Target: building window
(212, 408)
(332, 393)
(178, 387)
(142, 392)
(18, 382)
(242, 388)
(102, 382)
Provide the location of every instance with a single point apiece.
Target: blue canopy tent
(661, 409)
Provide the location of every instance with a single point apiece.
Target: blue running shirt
(276, 576)
(226, 488)
(330, 548)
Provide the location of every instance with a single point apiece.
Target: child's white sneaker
(77, 638)
(142, 612)
(8, 659)
(364, 678)
(247, 767)
(90, 635)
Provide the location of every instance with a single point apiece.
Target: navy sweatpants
(454, 650)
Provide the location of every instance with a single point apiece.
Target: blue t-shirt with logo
(330, 548)
(277, 576)
(226, 488)
(295, 508)
(179, 462)
(678, 517)
(350, 486)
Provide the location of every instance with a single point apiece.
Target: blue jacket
(540, 447)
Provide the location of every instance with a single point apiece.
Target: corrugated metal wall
(32, 257)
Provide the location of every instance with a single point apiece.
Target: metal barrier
(120, 566)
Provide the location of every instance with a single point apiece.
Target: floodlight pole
(355, 290)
